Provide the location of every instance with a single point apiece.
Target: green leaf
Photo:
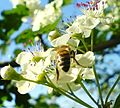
(67, 2)
(117, 102)
(12, 18)
(11, 21)
(25, 37)
(49, 27)
(17, 51)
(54, 106)
(3, 48)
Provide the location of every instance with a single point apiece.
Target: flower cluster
(46, 16)
(42, 67)
(32, 5)
(35, 65)
(40, 16)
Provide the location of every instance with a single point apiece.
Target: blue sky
(67, 12)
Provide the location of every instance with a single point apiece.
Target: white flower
(8, 73)
(62, 40)
(95, 10)
(32, 5)
(69, 78)
(46, 16)
(57, 40)
(65, 79)
(33, 65)
(87, 73)
(26, 86)
(83, 24)
(58, 3)
(87, 59)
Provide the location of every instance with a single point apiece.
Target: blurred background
(16, 36)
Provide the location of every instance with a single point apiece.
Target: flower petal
(25, 86)
(86, 59)
(24, 58)
(73, 43)
(61, 40)
(87, 73)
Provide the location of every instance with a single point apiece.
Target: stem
(46, 84)
(92, 42)
(78, 48)
(98, 85)
(87, 92)
(75, 98)
(109, 93)
(84, 44)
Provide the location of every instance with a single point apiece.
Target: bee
(63, 58)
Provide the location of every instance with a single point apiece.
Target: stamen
(37, 46)
(41, 46)
(78, 5)
(31, 51)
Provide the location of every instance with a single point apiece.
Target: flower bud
(8, 73)
(53, 35)
(41, 78)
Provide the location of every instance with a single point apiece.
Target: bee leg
(57, 73)
(72, 53)
(73, 56)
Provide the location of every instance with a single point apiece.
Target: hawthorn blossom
(84, 71)
(57, 39)
(92, 15)
(32, 5)
(93, 8)
(65, 79)
(47, 16)
(33, 65)
(84, 25)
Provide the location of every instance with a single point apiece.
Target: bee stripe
(66, 68)
(63, 53)
(65, 63)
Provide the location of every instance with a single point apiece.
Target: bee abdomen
(65, 63)
(66, 68)
(63, 59)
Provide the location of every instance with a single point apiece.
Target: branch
(109, 77)
(108, 44)
(12, 63)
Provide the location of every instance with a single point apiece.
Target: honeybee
(63, 59)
